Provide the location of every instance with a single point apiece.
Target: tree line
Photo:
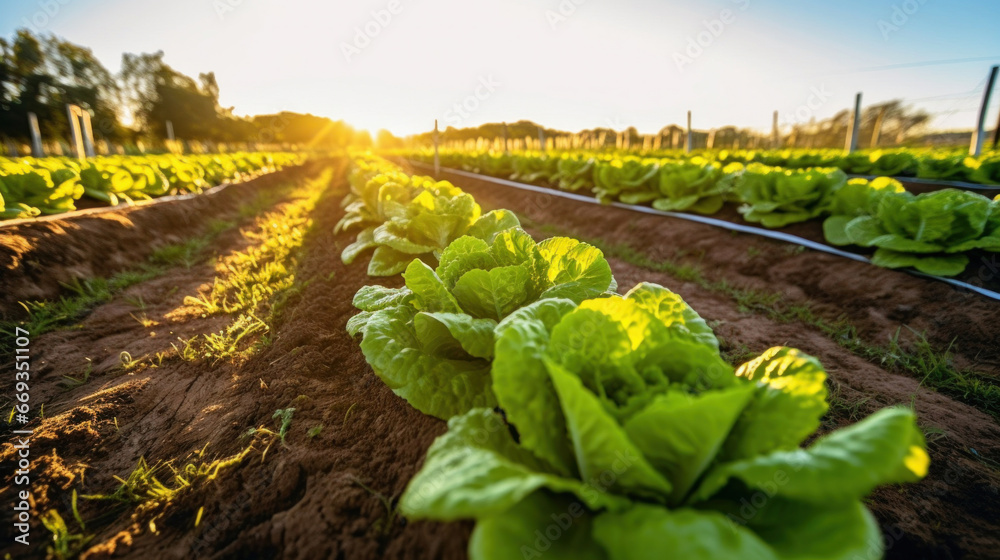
(890, 123)
(42, 74)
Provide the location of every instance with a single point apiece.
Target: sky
(567, 64)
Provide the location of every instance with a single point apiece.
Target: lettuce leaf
(450, 313)
(623, 434)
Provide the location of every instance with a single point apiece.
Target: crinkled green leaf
(477, 470)
(495, 293)
(388, 262)
(436, 386)
(365, 241)
(864, 230)
(576, 270)
(937, 265)
(491, 223)
(543, 525)
(451, 333)
(680, 434)
(462, 255)
(373, 298)
(521, 341)
(392, 235)
(789, 402)
(672, 311)
(841, 467)
(601, 445)
(429, 292)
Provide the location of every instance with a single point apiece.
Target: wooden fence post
(852, 131)
(437, 159)
(978, 136)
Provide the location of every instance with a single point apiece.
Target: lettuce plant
(13, 210)
(944, 167)
(487, 163)
(405, 218)
(128, 181)
(629, 180)
(694, 185)
(574, 173)
(858, 197)
(29, 190)
(31, 186)
(855, 163)
(777, 197)
(985, 171)
(804, 159)
(896, 163)
(625, 436)
(533, 168)
(431, 341)
(928, 232)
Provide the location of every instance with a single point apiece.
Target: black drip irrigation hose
(770, 234)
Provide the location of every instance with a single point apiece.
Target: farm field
(209, 399)
(507, 280)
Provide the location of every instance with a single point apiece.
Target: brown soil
(304, 499)
(955, 511)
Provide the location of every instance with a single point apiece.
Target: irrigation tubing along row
(712, 222)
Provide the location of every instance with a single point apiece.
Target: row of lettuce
(938, 164)
(30, 187)
(942, 164)
(931, 232)
(588, 425)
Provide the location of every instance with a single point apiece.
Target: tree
(305, 130)
(386, 140)
(42, 75)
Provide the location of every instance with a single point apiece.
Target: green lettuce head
(432, 341)
(29, 191)
(530, 168)
(406, 217)
(858, 197)
(574, 172)
(630, 180)
(624, 435)
(776, 197)
(694, 185)
(928, 231)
